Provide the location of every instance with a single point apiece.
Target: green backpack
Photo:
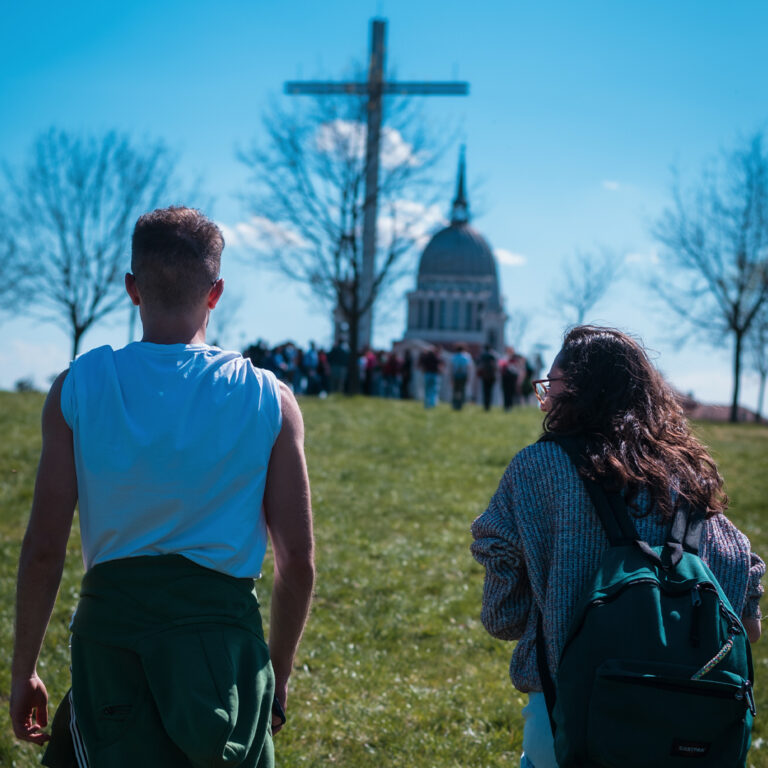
(656, 669)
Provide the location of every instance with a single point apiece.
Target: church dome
(457, 251)
(458, 257)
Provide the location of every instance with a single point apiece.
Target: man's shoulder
(105, 350)
(92, 360)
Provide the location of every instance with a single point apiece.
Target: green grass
(395, 667)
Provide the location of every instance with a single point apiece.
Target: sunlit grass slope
(395, 668)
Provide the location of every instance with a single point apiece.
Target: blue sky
(577, 113)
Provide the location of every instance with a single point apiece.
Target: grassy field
(395, 668)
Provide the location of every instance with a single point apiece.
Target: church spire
(460, 210)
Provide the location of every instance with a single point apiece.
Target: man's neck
(173, 330)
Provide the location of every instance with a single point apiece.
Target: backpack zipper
(695, 616)
(604, 600)
(735, 625)
(741, 694)
(695, 598)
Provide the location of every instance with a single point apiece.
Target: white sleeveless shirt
(172, 443)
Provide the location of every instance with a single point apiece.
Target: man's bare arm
(288, 509)
(40, 566)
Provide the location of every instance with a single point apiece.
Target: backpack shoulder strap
(694, 531)
(685, 532)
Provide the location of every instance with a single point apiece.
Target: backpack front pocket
(644, 714)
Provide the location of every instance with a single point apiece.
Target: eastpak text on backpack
(656, 669)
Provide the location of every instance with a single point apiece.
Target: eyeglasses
(541, 388)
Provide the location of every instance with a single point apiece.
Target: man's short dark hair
(175, 256)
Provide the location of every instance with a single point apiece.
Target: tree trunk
(353, 366)
(77, 334)
(736, 376)
(760, 396)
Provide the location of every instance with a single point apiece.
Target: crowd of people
(434, 372)
(316, 371)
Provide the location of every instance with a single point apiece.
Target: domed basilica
(457, 291)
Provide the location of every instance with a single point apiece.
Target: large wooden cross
(374, 89)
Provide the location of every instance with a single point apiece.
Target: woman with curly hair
(540, 539)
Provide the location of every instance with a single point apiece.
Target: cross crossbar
(320, 88)
(426, 89)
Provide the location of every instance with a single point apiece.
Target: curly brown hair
(635, 432)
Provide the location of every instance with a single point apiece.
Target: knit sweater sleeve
(754, 588)
(739, 570)
(507, 598)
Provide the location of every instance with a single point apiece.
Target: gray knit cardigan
(540, 541)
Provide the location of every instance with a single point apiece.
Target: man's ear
(133, 291)
(215, 293)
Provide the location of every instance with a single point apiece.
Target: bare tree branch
(222, 317)
(716, 241)
(14, 278)
(71, 209)
(757, 346)
(586, 279)
(517, 326)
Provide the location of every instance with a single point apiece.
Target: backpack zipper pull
(696, 600)
(695, 596)
(750, 697)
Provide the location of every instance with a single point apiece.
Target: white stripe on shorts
(77, 740)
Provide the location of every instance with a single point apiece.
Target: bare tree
(14, 282)
(757, 344)
(585, 280)
(517, 326)
(225, 313)
(70, 212)
(716, 238)
(8, 263)
(308, 197)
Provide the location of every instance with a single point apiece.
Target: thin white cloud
(261, 234)
(649, 257)
(411, 219)
(396, 151)
(347, 138)
(510, 259)
(400, 219)
(611, 186)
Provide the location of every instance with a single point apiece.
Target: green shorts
(169, 669)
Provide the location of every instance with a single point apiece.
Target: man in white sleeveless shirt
(184, 460)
